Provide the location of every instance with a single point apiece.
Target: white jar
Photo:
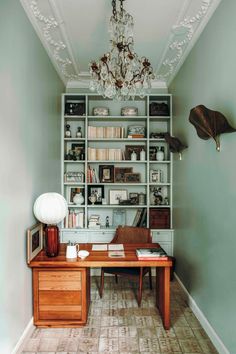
(78, 199)
(142, 155)
(159, 154)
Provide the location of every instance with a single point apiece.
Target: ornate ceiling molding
(183, 37)
(48, 24)
(49, 27)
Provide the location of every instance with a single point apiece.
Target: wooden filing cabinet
(61, 296)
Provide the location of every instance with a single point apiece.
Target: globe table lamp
(50, 209)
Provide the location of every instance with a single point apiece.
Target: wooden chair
(129, 234)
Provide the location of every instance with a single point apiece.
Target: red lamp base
(52, 242)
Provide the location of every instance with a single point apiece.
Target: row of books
(74, 220)
(104, 154)
(106, 132)
(140, 218)
(156, 253)
(92, 175)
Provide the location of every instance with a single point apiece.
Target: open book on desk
(155, 253)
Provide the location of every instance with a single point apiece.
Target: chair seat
(130, 271)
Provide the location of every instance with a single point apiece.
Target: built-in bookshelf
(114, 157)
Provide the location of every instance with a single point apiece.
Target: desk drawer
(101, 236)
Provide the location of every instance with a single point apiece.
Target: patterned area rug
(117, 325)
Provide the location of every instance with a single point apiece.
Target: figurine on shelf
(107, 221)
(79, 133)
(68, 131)
(158, 196)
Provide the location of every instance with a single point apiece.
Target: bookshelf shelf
(105, 153)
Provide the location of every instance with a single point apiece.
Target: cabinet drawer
(101, 236)
(158, 236)
(63, 280)
(74, 236)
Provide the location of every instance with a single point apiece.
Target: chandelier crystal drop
(120, 74)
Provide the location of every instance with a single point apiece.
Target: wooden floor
(117, 325)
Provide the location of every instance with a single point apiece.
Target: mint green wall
(29, 160)
(204, 182)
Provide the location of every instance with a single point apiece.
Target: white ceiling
(74, 32)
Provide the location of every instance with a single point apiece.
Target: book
(137, 217)
(151, 253)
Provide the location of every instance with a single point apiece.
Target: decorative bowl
(83, 254)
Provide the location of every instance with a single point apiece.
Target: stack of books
(156, 253)
(94, 222)
(74, 220)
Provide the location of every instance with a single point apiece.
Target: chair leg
(150, 278)
(140, 287)
(101, 283)
(116, 277)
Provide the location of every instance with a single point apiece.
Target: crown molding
(50, 28)
(184, 36)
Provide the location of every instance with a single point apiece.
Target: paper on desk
(116, 254)
(100, 247)
(116, 247)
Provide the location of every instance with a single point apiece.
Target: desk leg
(163, 294)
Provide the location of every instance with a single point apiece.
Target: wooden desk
(61, 287)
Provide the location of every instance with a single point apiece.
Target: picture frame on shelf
(78, 150)
(34, 241)
(72, 191)
(106, 173)
(119, 173)
(119, 217)
(136, 148)
(117, 195)
(132, 177)
(98, 191)
(156, 176)
(134, 198)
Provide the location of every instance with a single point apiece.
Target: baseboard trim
(203, 320)
(24, 337)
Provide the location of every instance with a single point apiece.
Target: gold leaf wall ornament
(209, 124)
(175, 144)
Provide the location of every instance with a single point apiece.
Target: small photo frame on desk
(34, 241)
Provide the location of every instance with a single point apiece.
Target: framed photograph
(77, 149)
(96, 190)
(72, 191)
(156, 176)
(134, 198)
(34, 241)
(106, 173)
(115, 196)
(120, 173)
(136, 148)
(132, 177)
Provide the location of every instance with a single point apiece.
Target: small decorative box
(100, 111)
(129, 111)
(74, 108)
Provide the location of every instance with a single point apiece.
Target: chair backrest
(132, 234)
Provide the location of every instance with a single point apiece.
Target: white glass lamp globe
(50, 208)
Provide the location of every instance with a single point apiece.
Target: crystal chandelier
(120, 74)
